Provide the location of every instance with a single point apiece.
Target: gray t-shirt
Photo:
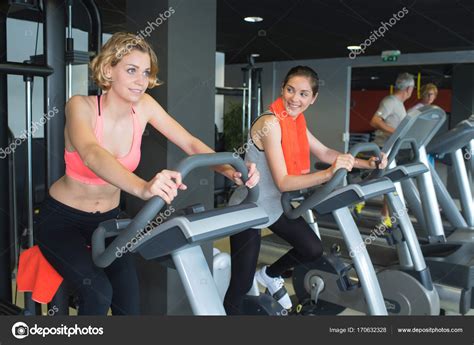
(392, 111)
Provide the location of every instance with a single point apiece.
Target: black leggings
(245, 247)
(64, 237)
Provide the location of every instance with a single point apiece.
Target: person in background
(388, 116)
(391, 109)
(428, 93)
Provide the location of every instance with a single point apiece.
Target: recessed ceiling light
(354, 47)
(253, 19)
(374, 77)
(255, 55)
(446, 76)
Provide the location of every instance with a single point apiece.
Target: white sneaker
(275, 286)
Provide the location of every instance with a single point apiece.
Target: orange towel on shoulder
(36, 274)
(294, 139)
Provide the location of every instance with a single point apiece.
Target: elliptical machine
(179, 238)
(330, 284)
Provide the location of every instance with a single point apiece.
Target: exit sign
(390, 55)
(390, 58)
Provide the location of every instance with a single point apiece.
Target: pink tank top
(75, 167)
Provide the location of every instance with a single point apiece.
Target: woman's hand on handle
(254, 176)
(343, 161)
(373, 161)
(165, 184)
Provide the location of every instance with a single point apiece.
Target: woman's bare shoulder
(81, 104)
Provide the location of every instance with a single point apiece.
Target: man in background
(391, 110)
(388, 116)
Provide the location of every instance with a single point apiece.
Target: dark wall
(185, 46)
(463, 92)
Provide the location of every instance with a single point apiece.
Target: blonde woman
(428, 93)
(102, 149)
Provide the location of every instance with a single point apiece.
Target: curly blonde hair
(118, 46)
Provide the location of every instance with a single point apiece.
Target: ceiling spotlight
(253, 19)
(374, 77)
(255, 55)
(354, 47)
(446, 76)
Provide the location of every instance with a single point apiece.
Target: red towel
(36, 275)
(294, 139)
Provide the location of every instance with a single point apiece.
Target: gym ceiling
(314, 29)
